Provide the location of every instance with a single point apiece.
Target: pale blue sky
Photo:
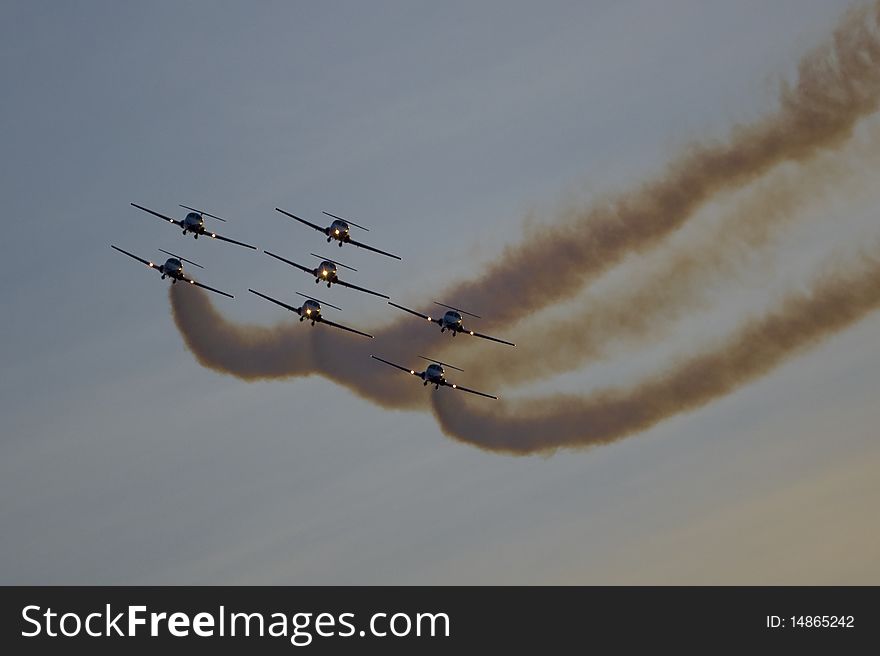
(441, 126)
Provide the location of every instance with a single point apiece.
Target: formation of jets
(327, 271)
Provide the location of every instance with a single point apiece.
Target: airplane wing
(210, 289)
(214, 235)
(311, 225)
(396, 366)
(336, 325)
(276, 302)
(139, 259)
(370, 248)
(418, 314)
(360, 289)
(294, 264)
(494, 339)
(468, 389)
(161, 216)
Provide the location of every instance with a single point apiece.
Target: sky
(447, 129)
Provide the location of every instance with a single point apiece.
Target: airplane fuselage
(195, 223)
(326, 272)
(338, 230)
(173, 268)
(434, 375)
(451, 321)
(310, 311)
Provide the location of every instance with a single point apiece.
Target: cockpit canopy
(339, 227)
(328, 268)
(173, 264)
(311, 307)
(194, 218)
(435, 370)
(452, 317)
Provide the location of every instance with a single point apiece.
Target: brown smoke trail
(289, 349)
(682, 279)
(761, 345)
(837, 84)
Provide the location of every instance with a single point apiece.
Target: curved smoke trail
(837, 85)
(571, 421)
(286, 350)
(682, 278)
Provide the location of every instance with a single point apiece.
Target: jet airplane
(194, 222)
(452, 321)
(327, 272)
(434, 375)
(311, 311)
(340, 230)
(173, 268)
